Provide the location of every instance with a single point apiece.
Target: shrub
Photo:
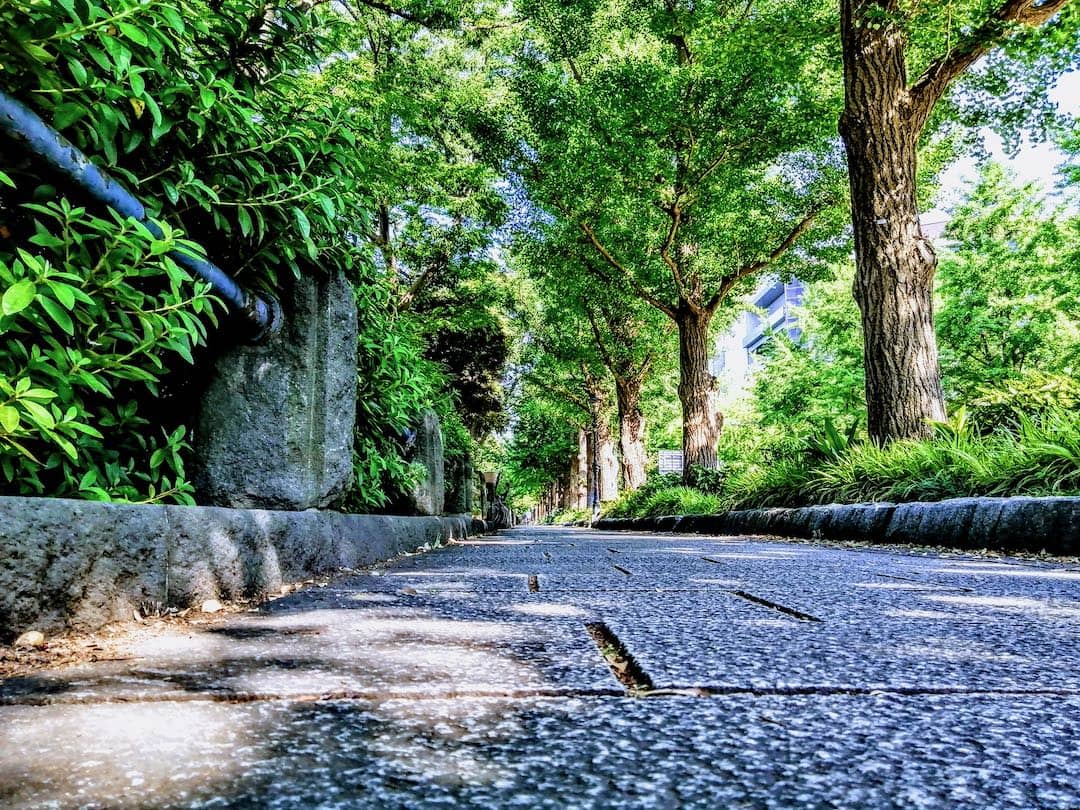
(679, 501)
(1040, 456)
(706, 480)
(210, 112)
(663, 494)
(394, 385)
(566, 517)
(631, 504)
(93, 322)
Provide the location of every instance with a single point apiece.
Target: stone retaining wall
(1005, 524)
(67, 563)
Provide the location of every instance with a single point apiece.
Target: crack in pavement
(757, 600)
(698, 691)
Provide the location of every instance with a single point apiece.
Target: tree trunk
(593, 468)
(895, 262)
(702, 420)
(579, 475)
(608, 464)
(631, 433)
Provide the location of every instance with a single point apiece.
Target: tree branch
(729, 281)
(678, 38)
(609, 361)
(404, 14)
(935, 80)
(574, 71)
(675, 213)
(561, 394)
(639, 289)
(418, 285)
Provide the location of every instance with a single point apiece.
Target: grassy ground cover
(1032, 455)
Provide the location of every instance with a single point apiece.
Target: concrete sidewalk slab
(445, 680)
(770, 752)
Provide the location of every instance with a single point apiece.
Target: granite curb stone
(80, 564)
(1050, 524)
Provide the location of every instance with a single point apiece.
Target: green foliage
(1032, 393)
(206, 108)
(704, 135)
(709, 481)
(538, 453)
(1042, 457)
(267, 132)
(210, 112)
(468, 335)
(631, 504)
(94, 316)
(432, 328)
(830, 443)
(568, 517)
(1009, 287)
(673, 500)
(1008, 335)
(394, 385)
(820, 376)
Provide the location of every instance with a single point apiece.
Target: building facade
(770, 311)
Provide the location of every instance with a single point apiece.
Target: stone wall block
(275, 425)
(801, 522)
(984, 521)
(1020, 523)
(904, 525)
(950, 522)
(286, 547)
(459, 486)
(874, 520)
(205, 554)
(79, 564)
(843, 523)
(429, 497)
(821, 518)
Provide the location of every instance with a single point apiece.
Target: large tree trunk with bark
(602, 478)
(609, 465)
(702, 420)
(895, 262)
(579, 474)
(631, 433)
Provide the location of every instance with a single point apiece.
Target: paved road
(752, 675)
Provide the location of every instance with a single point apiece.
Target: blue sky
(1034, 162)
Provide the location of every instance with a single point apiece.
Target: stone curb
(81, 564)
(1051, 525)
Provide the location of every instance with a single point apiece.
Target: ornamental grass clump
(1041, 456)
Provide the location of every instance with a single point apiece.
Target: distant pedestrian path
(553, 667)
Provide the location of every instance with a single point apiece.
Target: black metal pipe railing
(26, 128)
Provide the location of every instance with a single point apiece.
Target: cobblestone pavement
(571, 668)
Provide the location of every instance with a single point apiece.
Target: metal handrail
(26, 128)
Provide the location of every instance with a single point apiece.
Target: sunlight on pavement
(123, 750)
(720, 582)
(949, 649)
(373, 597)
(547, 609)
(933, 615)
(981, 569)
(752, 556)
(1013, 603)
